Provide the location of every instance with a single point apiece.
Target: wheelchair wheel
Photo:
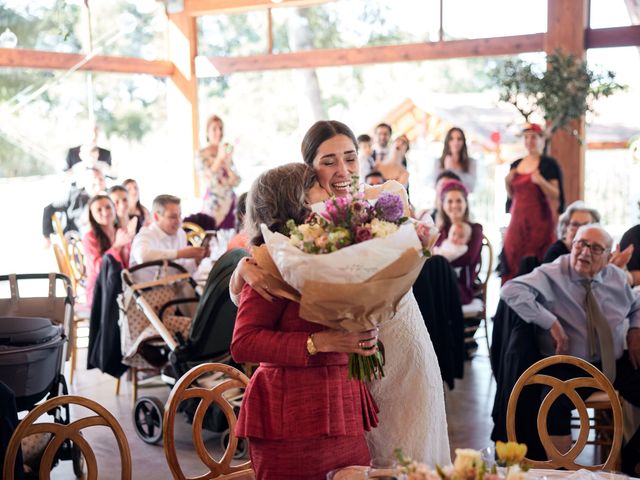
(243, 445)
(147, 418)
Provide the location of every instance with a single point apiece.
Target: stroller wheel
(77, 460)
(147, 418)
(242, 450)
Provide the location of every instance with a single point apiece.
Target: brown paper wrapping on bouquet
(350, 306)
(277, 285)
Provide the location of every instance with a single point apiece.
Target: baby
(455, 245)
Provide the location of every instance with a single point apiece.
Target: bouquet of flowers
(469, 465)
(350, 265)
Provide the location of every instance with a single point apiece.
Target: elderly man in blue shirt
(580, 302)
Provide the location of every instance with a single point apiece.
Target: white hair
(596, 226)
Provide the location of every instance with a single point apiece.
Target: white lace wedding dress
(410, 396)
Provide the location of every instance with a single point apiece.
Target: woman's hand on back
(258, 278)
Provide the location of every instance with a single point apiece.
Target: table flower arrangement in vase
(470, 465)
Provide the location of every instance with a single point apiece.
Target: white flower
(515, 473)
(466, 461)
(382, 229)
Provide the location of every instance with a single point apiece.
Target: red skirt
(306, 458)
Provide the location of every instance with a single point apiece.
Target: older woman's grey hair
(277, 196)
(565, 218)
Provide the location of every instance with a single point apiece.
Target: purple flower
(363, 234)
(389, 207)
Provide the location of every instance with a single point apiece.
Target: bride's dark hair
(277, 196)
(320, 132)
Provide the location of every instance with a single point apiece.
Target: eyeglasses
(594, 247)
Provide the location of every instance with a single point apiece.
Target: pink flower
(363, 234)
(337, 209)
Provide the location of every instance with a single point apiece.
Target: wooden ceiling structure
(567, 29)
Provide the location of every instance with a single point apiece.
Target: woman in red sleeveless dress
(534, 186)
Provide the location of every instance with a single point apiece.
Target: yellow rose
(511, 453)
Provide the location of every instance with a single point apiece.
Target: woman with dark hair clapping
(105, 236)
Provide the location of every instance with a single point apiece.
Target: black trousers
(8, 423)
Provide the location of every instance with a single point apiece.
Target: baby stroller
(147, 288)
(33, 348)
(208, 340)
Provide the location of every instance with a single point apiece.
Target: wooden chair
(596, 380)
(188, 388)
(61, 433)
(80, 315)
(483, 272)
(195, 233)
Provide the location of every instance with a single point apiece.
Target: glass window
(493, 18)
(233, 35)
(355, 23)
(610, 13)
(133, 29)
(48, 25)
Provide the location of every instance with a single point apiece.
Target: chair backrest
(57, 226)
(195, 233)
(596, 380)
(189, 388)
(61, 433)
(212, 326)
(64, 266)
(485, 265)
(75, 254)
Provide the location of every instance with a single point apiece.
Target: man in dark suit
(90, 153)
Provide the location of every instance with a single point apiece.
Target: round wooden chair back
(64, 266)
(596, 380)
(76, 260)
(188, 388)
(72, 431)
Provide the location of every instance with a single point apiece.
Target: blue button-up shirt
(555, 291)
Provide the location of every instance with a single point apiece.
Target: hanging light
(8, 39)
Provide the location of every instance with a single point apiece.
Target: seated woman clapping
(302, 414)
(105, 237)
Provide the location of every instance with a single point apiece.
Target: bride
(410, 396)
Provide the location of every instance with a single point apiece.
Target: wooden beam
(607, 145)
(383, 54)
(613, 37)
(182, 105)
(566, 23)
(24, 58)
(197, 8)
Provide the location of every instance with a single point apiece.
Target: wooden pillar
(566, 23)
(182, 104)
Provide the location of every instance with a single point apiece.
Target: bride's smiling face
(336, 161)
